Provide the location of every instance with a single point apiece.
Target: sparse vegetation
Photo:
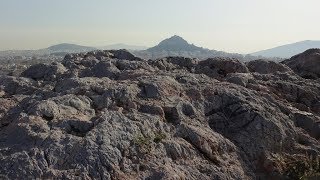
(306, 168)
(145, 142)
(142, 140)
(159, 137)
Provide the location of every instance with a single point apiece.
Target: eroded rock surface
(110, 115)
(306, 64)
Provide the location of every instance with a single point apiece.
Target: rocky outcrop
(45, 72)
(306, 64)
(266, 67)
(215, 67)
(110, 115)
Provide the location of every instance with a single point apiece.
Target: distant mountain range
(177, 46)
(65, 48)
(173, 46)
(58, 50)
(289, 50)
(70, 48)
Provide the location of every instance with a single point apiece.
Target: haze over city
(229, 25)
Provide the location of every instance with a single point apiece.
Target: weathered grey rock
(173, 63)
(158, 87)
(123, 55)
(133, 65)
(308, 122)
(220, 67)
(306, 64)
(150, 90)
(152, 109)
(241, 79)
(64, 107)
(110, 115)
(77, 85)
(102, 69)
(48, 72)
(17, 85)
(266, 67)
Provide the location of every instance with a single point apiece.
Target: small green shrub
(145, 142)
(142, 140)
(159, 137)
(306, 168)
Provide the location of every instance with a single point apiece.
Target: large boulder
(48, 72)
(220, 67)
(241, 79)
(102, 69)
(123, 55)
(17, 85)
(306, 64)
(266, 67)
(64, 107)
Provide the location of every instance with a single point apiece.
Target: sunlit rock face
(111, 115)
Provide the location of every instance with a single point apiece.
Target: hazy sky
(242, 26)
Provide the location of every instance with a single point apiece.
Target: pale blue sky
(242, 26)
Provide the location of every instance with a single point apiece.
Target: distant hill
(177, 46)
(57, 50)
(70, 48)
(122, 46)
(173, 46)
(174, 43)
(289, 50)
(65, 48)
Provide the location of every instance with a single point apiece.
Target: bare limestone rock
(306, 64)
(220, 67)
(110, 115)
(45, 71)
(266, 67)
